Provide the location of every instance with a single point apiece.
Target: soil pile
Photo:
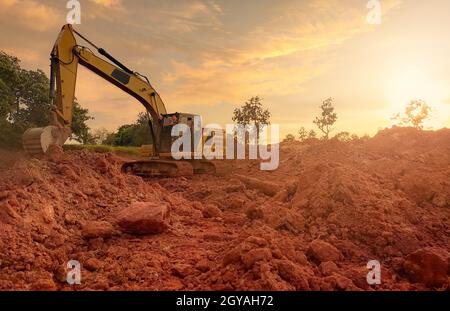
(313, 224)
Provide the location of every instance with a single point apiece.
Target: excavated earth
(313, 224)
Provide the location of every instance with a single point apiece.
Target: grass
(119, 150)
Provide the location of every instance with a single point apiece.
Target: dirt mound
(63, 208)
(313, 224)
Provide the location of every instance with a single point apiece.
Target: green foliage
(252, 113)
(21, 92)
(130, 151)
(99, 136)
(25, 103)
(80, 131)
(136, 134)
(416, 112)
(327, 118)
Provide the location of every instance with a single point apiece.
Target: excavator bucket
(36, 141)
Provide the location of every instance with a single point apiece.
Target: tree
(124, 136)
(343, 136)
(252, 113)
(327, 118)
(100, 136)
(25, 103)
(302, 134)
(110, 140)
(141, 131)
(289, 138)
(136, 134)
(80, 129)
(416, 112)
(312, 134)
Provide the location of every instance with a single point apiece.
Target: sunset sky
(208, 57)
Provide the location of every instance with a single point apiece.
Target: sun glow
(413, 83)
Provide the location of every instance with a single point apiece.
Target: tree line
(25, 103)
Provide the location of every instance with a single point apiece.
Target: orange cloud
(31, 14)
(108, 3)
(276, 58)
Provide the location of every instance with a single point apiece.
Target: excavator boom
(66, 55)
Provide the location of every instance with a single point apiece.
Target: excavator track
(161, 168)
(209, 167)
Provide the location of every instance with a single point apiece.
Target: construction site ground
(313, 224)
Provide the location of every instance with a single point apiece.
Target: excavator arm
(66, 55)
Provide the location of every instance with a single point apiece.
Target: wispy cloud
(30, 14)
(275, 58)
(108, 3)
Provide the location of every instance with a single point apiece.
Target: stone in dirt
(428, 265)
(144, 218)
(322, 251)
(255, 255)
(211, 211)
(92, 264)
(328, 268)
(182, 270)
(265, 187)
(97, 229)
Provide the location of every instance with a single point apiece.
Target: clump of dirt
(313, 224)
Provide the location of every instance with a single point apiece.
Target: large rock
(429, 266)
(322, 251)
(143, 218)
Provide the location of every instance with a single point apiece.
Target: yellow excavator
(66, 55)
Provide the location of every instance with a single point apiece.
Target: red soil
(336, 207)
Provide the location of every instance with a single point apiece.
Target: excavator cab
(172, 119)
